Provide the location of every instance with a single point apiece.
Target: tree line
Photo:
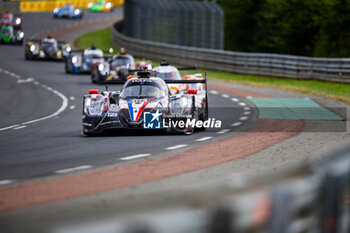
(317, 28)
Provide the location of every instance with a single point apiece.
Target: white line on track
(1, 70)
(225, 96)
(234, 99)
(72, 98)
(214, 92)
(223, 131)
(20, 127)
(72, 107)
(243, 118)
(9, 127)
(28, 80)
(6, 182)
(176, 147)
(203, 139)
(36, 82)
(135, 156)
(248, 97)
(17, 76)
(246, 113)
(247, 108)
(242, 104)
(73, 169)
(236, 124)
(64, 105)
(49, 88)
(6, 72)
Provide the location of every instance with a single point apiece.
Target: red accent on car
(141, 110)
(94, 91)
(192, 91)
(145, 67)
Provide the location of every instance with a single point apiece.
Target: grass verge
(340, 91)
(101, 39)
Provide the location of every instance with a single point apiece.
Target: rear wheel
(66, 68)
(93, 78)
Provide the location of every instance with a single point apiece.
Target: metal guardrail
(307, 199)
(274, 65)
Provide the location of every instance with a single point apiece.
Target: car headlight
(90, 4)
(74, 60)
(123, 103)
(21, 35)
(55, 11)
(32, 48)
(94, 106)
(101, 67)
(68, 49)
(108, 5)
(77, 12)
(18, 21)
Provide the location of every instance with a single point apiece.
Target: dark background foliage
(319, 28)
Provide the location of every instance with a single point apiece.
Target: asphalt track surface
(40, 124)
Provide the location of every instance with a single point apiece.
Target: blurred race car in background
(101, 5)
(168, 72)
(86, 61)
(139, 97)
(69, 12)
(8, 35)
(47, 49)
(115, 68)
(9, 19)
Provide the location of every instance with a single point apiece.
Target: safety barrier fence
(263, 64)
(191, 23)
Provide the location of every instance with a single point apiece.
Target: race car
(68, 11)
(84, 63)
(9, 19)
(167, 72)
(46, 49)
(100, 5)
(145, 102)
(10, 36)
(114, 69)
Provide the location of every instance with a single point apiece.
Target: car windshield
(168, 73)
(93, 54)
(68, 7)
(6, 30)
(6, 19)
(49, 45)
(142, 90)
(122, 61)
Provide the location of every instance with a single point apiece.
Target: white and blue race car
(68, 12)
(146, 102)
(83, 61)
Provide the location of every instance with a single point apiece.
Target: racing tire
(93, 77)
(66, 69)
(192, 130)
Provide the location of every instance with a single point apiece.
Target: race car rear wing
(182, 81)
(39, 40)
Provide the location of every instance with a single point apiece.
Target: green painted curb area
(292, 108)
